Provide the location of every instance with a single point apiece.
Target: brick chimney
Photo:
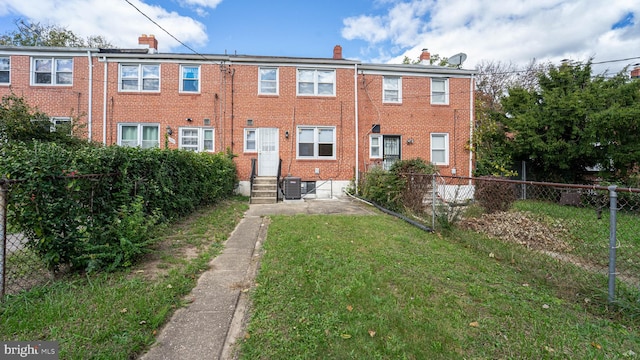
(337, 52)
(149, 41)
(635, 73)
(425, 57)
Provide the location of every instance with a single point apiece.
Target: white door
(268, 152)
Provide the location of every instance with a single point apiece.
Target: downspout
(355, 88)
(471, 111)
(104, 101)
(233, 73)
(90, 105)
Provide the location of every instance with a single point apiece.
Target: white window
(190, 78)
(316, 82)
(62, 124)
(139, 77)
(392, 89)
(440, 91)
(375, 147)
(5, 70)
(51, 71)
(268, 81)
(144, 135)
(196, 139)
(316, 142)
(250, 140)
(440, 149)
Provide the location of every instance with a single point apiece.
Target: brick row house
(322, 121)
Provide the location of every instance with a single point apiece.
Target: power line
(163, 29)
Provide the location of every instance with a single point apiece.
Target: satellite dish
(457, 59)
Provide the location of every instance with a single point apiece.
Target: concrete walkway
(211, 325)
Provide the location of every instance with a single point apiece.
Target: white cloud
(119, 23)
(401, 25)
(510, 31)
(370, 29)
(203, 3)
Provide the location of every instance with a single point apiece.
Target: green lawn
(344, 287)
(374, 287)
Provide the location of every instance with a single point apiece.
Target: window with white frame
(268, 81)
(196, 139)
(52, 71)
(139, 77)
(439, 91)
(320, 82)
(250, 140)
(143, 135)
(375, 146)
(440, 149)
(190, 78)
(61, 124)
(5, 70)
(316, 142)
(392, 89)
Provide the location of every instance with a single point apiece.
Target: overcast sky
(380, 31)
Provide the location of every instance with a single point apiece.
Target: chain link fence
(21, 266)
(591, 232)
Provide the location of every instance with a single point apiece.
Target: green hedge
(102, 222)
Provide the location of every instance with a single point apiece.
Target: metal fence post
(3, 236)
(613, 208)
(433, 201)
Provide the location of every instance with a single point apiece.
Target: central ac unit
(292, 188)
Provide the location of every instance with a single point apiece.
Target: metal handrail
(278, 176)
(252, 176)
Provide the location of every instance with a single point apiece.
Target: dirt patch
(153, 265)
(521, 228)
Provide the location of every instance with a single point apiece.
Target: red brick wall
(168, 107)
(229, 97)
(416, 118)
(54, 100)
(286, 111)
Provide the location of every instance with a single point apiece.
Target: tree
(35, 34)
(617, 128)
(434, 59)
(573, 122)
(489, 141)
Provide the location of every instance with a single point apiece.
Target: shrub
(120, 242)
(413, 166)
(383, 188)
(89, 222)
(392, 190)
(494, 195)
(417, 182)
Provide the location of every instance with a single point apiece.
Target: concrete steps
(264, 190)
